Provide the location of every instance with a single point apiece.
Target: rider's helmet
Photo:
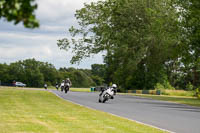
(114, 86)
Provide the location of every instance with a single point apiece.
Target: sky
(55, 17)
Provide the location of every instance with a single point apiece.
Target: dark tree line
(35, 74)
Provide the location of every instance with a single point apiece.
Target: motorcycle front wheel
(104, 100)
(99, 101)
(66, 89)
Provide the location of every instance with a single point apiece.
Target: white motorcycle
(107, 94)
(66, 87)
(57, 87)
(62, 86)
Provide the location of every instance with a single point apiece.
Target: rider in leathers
(114, 86)
(67, 81)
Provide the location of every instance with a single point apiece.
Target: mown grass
(178, 93)
(51, 88)
(28, 111)
(177, 99)
(80, 89)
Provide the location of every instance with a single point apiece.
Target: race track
(170, 116)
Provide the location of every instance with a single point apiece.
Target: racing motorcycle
(66, 87)
(107, 94)
(57, 87)
(62, 86)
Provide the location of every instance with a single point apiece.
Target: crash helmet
(114, 86)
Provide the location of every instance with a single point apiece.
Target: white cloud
(56, 16)
(52, 28)
(59, 10)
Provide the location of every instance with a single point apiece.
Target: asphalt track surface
(173, 117)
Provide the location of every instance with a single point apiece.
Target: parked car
(20, 84)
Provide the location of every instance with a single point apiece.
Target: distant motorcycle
(107, 94)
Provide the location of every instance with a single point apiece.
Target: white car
(20, 84)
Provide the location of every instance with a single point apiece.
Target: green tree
(19, 11)
(131, 32)
(98, 80)
(4, 76)
(49, 73)
(191, 37)
(81, 79)
(33, 76)
(16, 72)
(98, 69)
(78, 77)
(26, 71)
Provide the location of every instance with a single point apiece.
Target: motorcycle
(66, 87)
(57, 87)
(106, 95)
(62, 86)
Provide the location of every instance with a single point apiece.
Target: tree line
(36, 73)
(147, 43)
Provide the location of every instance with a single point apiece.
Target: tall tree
(98, 69)
(49, 72)
(33, 76)
(4, 75)
(190, 10)
(131, 32)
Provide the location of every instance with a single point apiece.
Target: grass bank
(80, 89)
(177, 99)
(178, 93)
(41, 111)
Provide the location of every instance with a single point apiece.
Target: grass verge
(50, 88)
(80, 89)
(24, 111)
(178, 93)
(177, 99)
